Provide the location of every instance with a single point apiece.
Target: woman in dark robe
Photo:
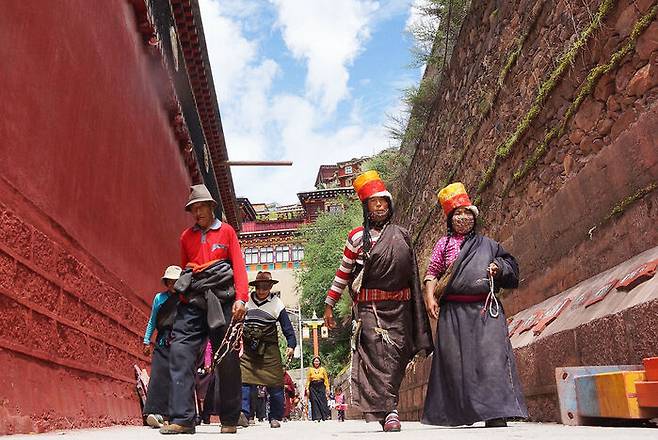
(317, 386)
(473, 376)
(389, 319)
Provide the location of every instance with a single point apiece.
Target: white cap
(171, 273)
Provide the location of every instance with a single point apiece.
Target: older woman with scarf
(473, 376)
(389, 319)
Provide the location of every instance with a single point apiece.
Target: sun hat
(199, 193)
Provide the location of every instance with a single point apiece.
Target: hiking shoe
(154, 420)
(242, 421)
(229, 429)
(496, 423)
(392, 422)
(275, 423)
(175, 428)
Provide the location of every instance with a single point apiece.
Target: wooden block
(651, 368)
(566, 387)
(610, 395)
(647, 394)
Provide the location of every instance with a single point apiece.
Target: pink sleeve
(437, 265)
(207, 359)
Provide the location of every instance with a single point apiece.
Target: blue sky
(305, 80)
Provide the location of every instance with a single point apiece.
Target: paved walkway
(353, 429)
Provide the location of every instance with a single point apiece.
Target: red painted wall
(91, 192)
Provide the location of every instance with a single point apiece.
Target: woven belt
(383, 295)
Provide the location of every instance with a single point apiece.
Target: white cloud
(327, 35)
(263, 123)
(417, 17)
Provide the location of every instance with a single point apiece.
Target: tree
(324, 241)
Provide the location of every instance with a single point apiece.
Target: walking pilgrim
(261, 361)
(163, 312)
(389, 318)
(317, 390)
(213, 292)
(473, 376)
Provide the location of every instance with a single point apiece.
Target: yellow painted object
(611, 395)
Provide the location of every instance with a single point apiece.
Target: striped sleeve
(344, 272)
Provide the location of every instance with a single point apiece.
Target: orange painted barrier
(651, 368)
(647, 394)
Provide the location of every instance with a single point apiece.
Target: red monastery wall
(91, 188)
(548, 114)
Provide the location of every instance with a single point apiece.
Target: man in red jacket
(207, 241)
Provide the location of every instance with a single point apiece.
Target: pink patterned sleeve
(437, 266)
(207, 359)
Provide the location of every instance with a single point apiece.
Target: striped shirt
(266, 313)
(352, 255)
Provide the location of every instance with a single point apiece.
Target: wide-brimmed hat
(263, 277)
(369, 184)
(199, 193)
(171, 273)
(455, 196)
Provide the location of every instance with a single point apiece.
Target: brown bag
(442, 282)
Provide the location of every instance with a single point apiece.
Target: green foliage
(334, 352)
(391, 164)
(323, 249)
(435, 32)
(324, 242)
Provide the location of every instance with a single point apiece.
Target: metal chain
(231, 342)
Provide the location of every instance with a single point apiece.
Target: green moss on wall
(623, 205)
(585, 89)
(545, 89)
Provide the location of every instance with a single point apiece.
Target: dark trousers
(157, 397)
(275, 397)
(189, 338)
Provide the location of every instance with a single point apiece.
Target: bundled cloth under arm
(208, 289)
(470, 275)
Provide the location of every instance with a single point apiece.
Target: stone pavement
(353, 429)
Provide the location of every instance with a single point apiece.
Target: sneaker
(496, 423)
(229, 429)
(154, 420)
(275, 423)
(252, 421)
(175, 428)
(242, 421)
(392, 422)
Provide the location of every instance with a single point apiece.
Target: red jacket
(219, 242)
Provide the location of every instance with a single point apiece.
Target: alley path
(353, 429)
